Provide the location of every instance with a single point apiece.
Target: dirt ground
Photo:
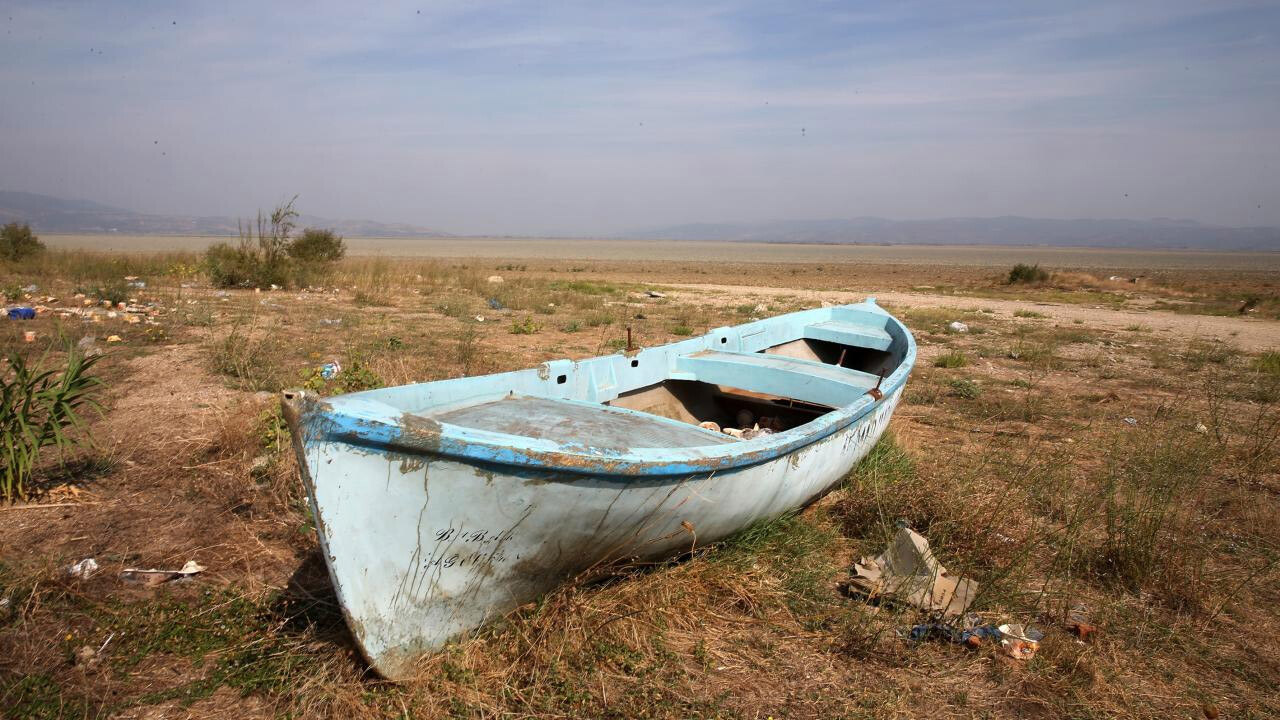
(1134, 422)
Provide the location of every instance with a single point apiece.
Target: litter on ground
(83, 569)
(1020, 641)
(153, 577)
(908, 572)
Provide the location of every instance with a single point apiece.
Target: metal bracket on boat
(875, 391)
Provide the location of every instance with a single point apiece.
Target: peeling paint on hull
(424, 544)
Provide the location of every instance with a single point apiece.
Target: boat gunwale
(380, 428)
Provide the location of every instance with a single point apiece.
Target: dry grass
(1018, 464)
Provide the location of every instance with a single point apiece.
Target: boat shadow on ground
(308, 610)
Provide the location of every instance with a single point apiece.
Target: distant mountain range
(51, 214)
(1157, 233)
(59, 215)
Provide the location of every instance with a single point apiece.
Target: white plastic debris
(495, 279)
(1020, 641)
(655, 294)
(1202, 428)
(958, 326)
(83, 569)
(1130, 421)
(153, 576)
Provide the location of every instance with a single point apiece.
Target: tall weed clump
(41, 407)
(267, 254)
(1149, 497)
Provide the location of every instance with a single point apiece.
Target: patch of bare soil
(1251, 334)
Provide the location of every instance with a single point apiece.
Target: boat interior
(730, 385)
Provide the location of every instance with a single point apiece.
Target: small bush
(525, 327)
(1027, 274)
(355, 376)
(317, 245)
(953, 359)
(39, 408)
(17, 242)
(1029, 314)
(964, 388)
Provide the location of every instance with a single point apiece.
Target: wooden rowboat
(440, 506)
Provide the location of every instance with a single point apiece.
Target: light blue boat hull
(431, 529)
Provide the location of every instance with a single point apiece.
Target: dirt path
(1250, 334)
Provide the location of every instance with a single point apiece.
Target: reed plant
(42, 407)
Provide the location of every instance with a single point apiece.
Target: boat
(441, 506)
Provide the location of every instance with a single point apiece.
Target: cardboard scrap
(908, 572)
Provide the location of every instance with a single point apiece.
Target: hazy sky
(536, 117)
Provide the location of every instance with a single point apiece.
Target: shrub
(524, 327)
(966, 389)
(953, 359)
(39, 408)
(17, 242)
(1023, 273)
(317, 245)
(229, 266)
(260, 258)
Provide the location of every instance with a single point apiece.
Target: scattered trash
(154, 577)
(908, 572)
(958, 326)
(971, 634)
(1083, 630)
(113, 338)
(137, 284)
(655, 294)
(495, 304)
(29, 336)
(495, 278)
(86, 656)
(330, 370)
(1202, 428)
(1130, 421)
(83, 569)
(756, 432)
(760, 309)
(479, 318)
(1020, 641)
(330, 321)
(31, 289)
(22, 313)
(708, 425)
(733, 432)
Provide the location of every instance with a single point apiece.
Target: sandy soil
(1250, 334)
